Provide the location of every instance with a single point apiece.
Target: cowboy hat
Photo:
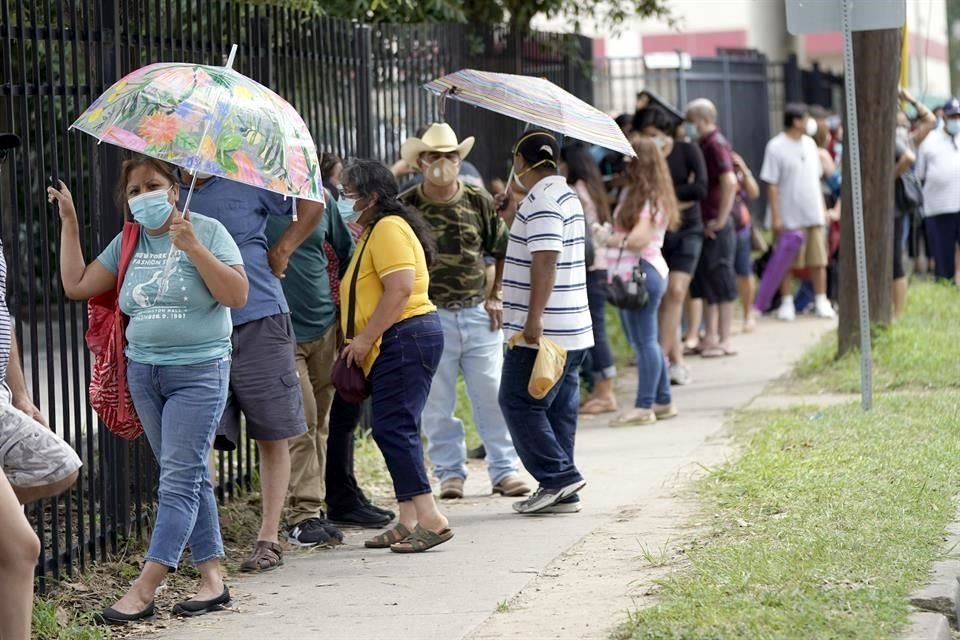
(438, 137)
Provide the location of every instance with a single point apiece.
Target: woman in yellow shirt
(398, 342)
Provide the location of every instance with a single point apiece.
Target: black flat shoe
(190, 608)
(362, 518)
(112, 616)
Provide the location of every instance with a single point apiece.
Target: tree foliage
(519, 13)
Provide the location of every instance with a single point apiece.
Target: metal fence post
(114, 452)
(365, 90)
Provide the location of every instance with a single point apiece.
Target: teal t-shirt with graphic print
(174, 319)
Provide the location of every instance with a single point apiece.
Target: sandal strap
(422, 539)
(392, 536)
(265, 554)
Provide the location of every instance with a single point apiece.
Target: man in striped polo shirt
(545, 295)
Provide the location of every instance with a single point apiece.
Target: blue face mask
(690, 130)
(151, 209)
(345, 207)
(953, 127)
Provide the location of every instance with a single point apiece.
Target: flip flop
(596, 406)
(713, 352)
(695, 350)
(421, 540)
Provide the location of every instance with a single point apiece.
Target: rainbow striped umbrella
(536, 101)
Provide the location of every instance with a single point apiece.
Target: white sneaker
(679, 375)
(823, 309)
(787, 312)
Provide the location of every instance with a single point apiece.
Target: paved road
(355, 594)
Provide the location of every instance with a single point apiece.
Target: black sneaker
(312, 532)
(479, 453)
(362, 518)
(380, 510)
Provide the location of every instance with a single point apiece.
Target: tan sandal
(266, 557)
(596, 406)
(392, 536)
(637, 420)
(420, 540)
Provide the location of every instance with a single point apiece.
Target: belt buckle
(454, 306)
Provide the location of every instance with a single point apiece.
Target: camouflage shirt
(466, 229)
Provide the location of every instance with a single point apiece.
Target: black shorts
(681, 249)
(898, 229)
(264, 385)
(715, 280)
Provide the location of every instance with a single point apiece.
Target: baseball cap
(952, 107)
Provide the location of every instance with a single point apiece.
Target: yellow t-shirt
(392, 247)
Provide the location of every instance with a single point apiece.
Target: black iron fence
(736, 81)
(358, 88)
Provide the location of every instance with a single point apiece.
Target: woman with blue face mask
(178, 364)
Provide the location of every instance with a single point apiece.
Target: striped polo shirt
(549, 219)
(6, 324)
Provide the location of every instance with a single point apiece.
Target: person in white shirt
(938, 168)
(792, 170)
(545, 296)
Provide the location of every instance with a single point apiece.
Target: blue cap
(952, 107)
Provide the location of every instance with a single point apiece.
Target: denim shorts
(743, 258)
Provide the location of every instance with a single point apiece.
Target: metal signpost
(847, 16)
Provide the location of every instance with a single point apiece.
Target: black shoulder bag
(632, 294)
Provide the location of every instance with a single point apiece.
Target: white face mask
(811, 127)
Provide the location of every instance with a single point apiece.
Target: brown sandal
(420, 540)
(392, 536)
(266, 557)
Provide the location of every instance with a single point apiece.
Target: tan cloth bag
(549, 367)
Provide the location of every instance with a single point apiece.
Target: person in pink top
(582, 173)
(646, 209)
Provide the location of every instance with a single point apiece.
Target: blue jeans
(653, 377)
(471, 347)
(543, 430)
(601, 358)
(180, 408)
(400, 380)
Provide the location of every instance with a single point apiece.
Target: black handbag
(630, 294)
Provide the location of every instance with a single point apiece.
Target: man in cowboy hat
(466, 228)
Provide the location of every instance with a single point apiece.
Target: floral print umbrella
(210, 120)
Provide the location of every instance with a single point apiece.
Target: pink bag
(109, 396)
(788, 246)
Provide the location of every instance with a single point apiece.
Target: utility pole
(877, 72)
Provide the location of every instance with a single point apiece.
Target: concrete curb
(929, 626)
(938, 603)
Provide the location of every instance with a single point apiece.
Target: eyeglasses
(343, 193)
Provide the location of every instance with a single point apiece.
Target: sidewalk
(575, 575)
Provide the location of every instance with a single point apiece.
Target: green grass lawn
(830, 518)
(918, 352)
